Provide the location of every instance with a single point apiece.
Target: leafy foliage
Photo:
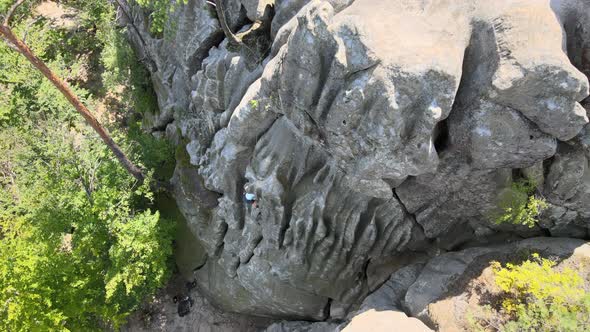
(23, 8)
(520, 205)
(25, 94)
(160, 12)
(125, 79)
(80, 242)
(536, 296)
(88, 253)
(536, 279)
(540, 316)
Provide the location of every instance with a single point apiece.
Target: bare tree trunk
(220, 9)
(9, 36)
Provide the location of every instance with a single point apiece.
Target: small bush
(535, 297)
(520, 205)
(535, 279)
(160, 12)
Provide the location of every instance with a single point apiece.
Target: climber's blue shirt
(250, 197)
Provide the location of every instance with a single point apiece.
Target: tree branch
(29, 25)
(124, 11)
(220, 9)
(147, 60)
(8, 35)
(11, 11)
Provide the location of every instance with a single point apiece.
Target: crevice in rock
(517, 175)
(326, 311)
(219, 249)
(234, 266)
(195, 62)
(319, 132)
(286, 221)
(365, 270)
(364, 221)
(254, 42)
(352, 75)
(401, 203)
(242, 210)
(324, 88)
(547, 166)
(257, 242)
(456, 237)
(578, 48)
(546, 232)
(480, 62)
(203, 264)
(441, 137)
(162, 124)
(421, 231)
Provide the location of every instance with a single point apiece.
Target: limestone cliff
(374, 133)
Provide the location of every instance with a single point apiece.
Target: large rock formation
(373, 133)
(447, 291)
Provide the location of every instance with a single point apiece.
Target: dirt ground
(161, 314)
(59, 16)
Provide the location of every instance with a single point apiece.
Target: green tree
(8, 35)
(80, 242)
(78, 247)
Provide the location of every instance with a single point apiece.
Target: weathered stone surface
(390, 296)
(370, 131)
(302, 327)
(495, 136)
(380, 311)
(567, 188)
(489, 134)
(533, 74)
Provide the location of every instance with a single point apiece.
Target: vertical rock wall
(371, 132)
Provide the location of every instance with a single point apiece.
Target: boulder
(385, 321)
(373, 133)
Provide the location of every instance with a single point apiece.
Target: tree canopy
(81, 241)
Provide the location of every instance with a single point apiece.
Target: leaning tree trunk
(9, 36)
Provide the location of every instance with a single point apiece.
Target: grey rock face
(302, 327)
(369, 131)
(495, 136)
(380, 311)
(568, 190)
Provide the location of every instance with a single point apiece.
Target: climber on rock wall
(249, 196)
